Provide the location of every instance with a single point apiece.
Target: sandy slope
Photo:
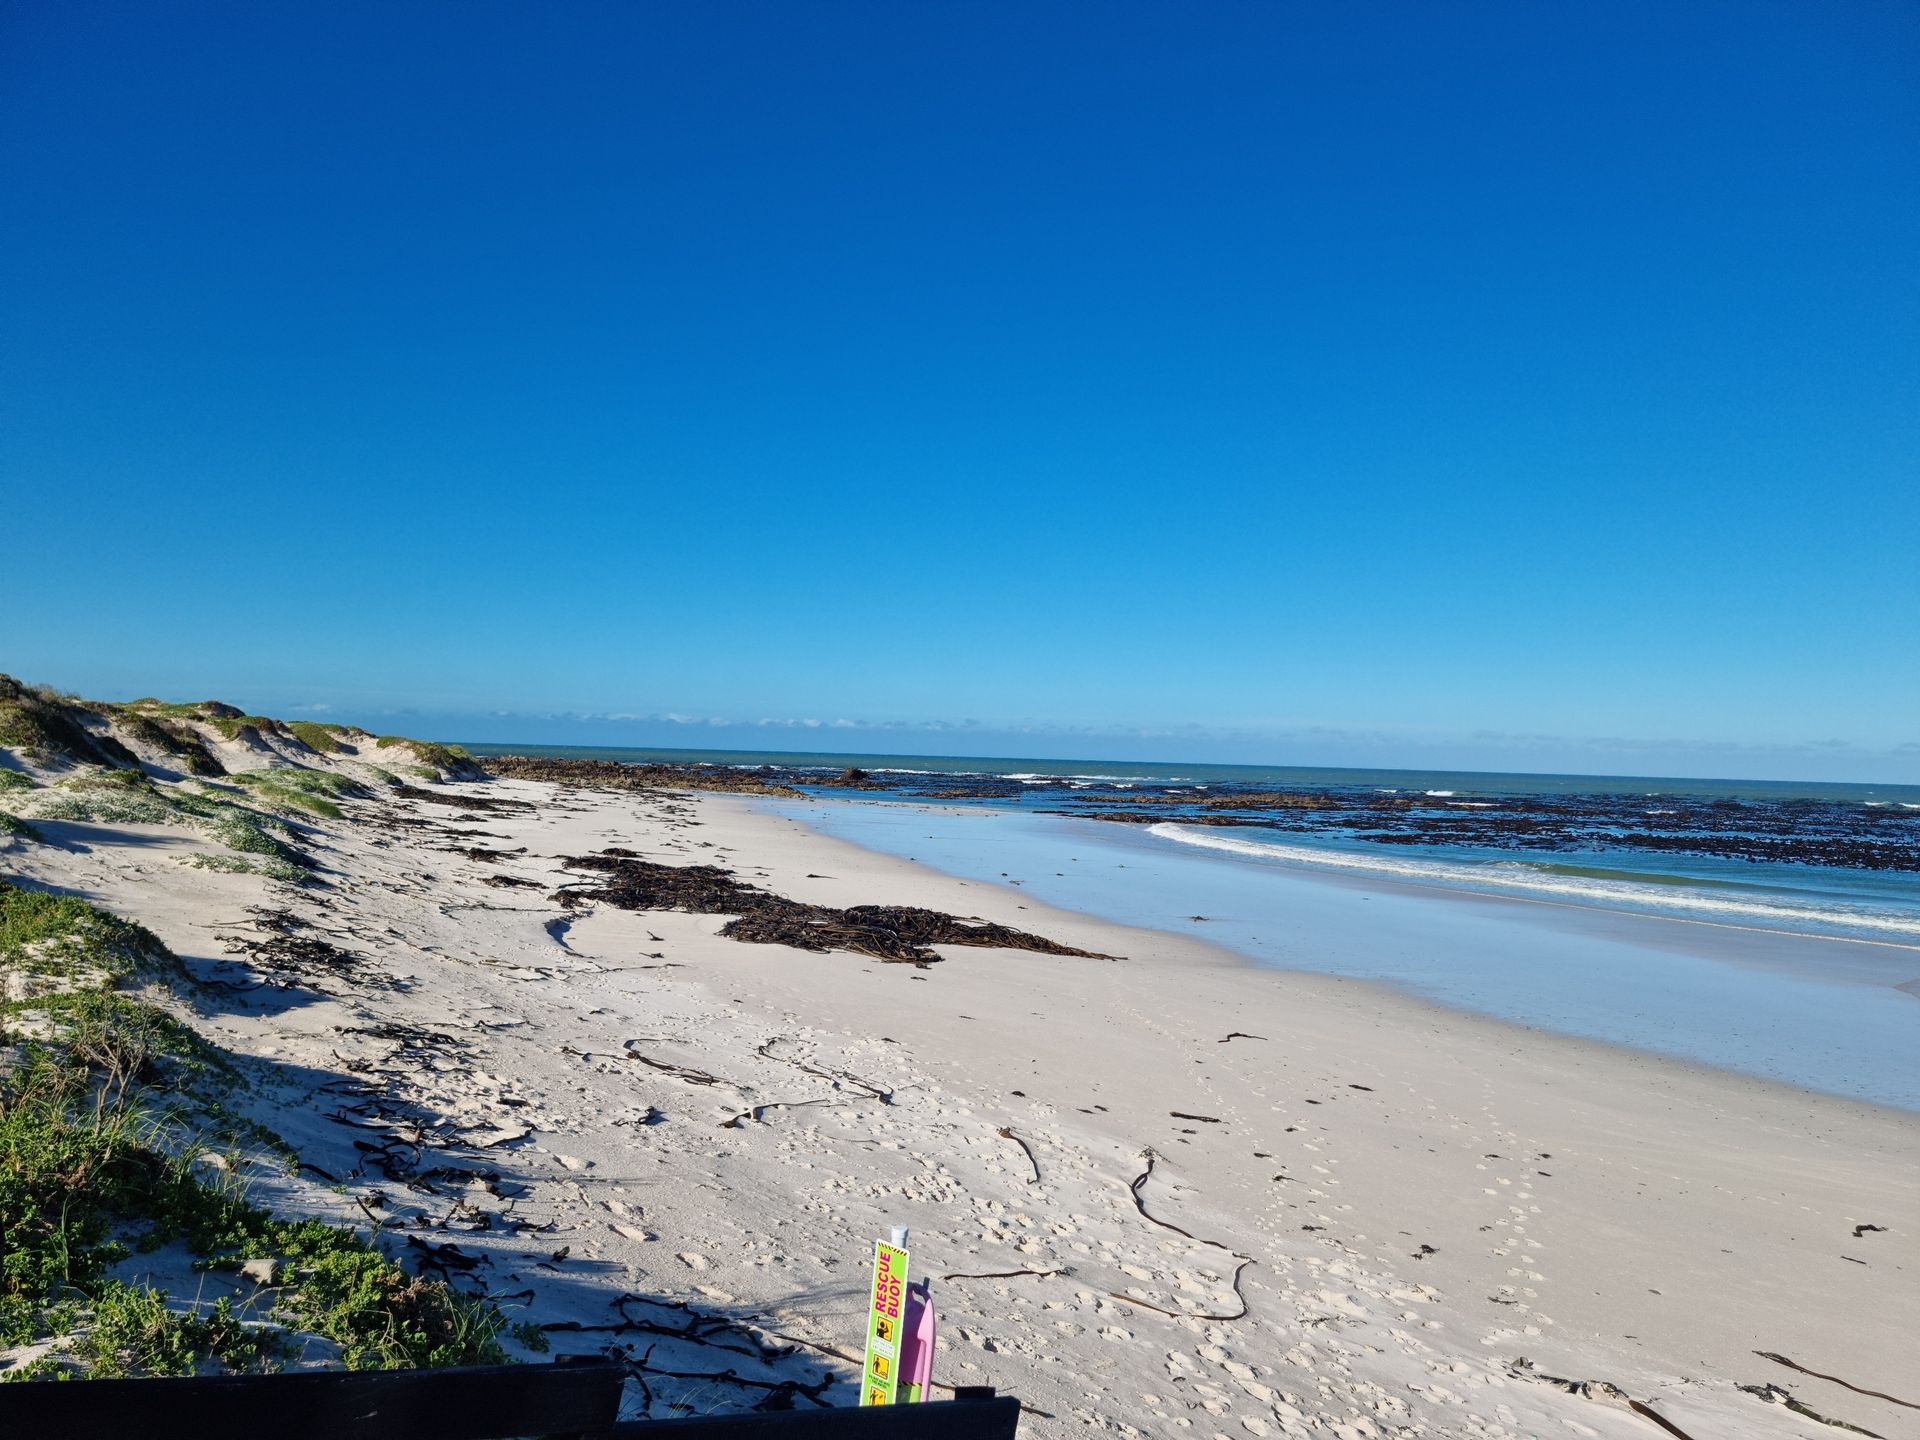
(1427, 1213)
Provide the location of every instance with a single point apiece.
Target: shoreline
(1418, 1008)
(1747, 965)
(1406, 1214)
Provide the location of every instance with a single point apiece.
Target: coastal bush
(432, 754)
(191, 709)
(46, 731)
(177, 741)
(316, 736)
(133, 1333)
(16, 827)
(296, 780)
(231, 725)
(15, 780)
(123, 1040)
(63, 1165)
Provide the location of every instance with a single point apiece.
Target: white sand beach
(1164, 1193)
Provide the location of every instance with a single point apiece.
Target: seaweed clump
(902, 934)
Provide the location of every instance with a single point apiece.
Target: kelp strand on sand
(901, 934)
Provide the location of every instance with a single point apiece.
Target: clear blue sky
(1524, 386)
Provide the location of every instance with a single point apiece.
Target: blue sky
(1502, 386)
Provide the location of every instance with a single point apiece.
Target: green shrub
(177, 741)
(431, 753)
(231, 725)
(133, 1333)
(317, 736)
(14, 780)
(13, 825)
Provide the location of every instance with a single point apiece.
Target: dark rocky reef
(616, 775)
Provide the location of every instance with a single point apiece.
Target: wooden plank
(983, 1419)
(472, 1403)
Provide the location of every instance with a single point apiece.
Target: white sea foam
(1513, 878)
(1442, 793)
(1032, 777)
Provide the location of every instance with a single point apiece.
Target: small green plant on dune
(15, 780)
(271, 866)
(106, 797)
(126, 797)
(43, 931)
(246, 831)
(132, 1332)
(19, 829)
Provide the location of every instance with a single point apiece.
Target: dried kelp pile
(616, 775)
(460, 799)
(897, 933)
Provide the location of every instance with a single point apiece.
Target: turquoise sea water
(1810, 1010)
(1177, 772)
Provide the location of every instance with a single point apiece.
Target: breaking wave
(1699, 902)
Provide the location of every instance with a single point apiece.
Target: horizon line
(484, 747)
